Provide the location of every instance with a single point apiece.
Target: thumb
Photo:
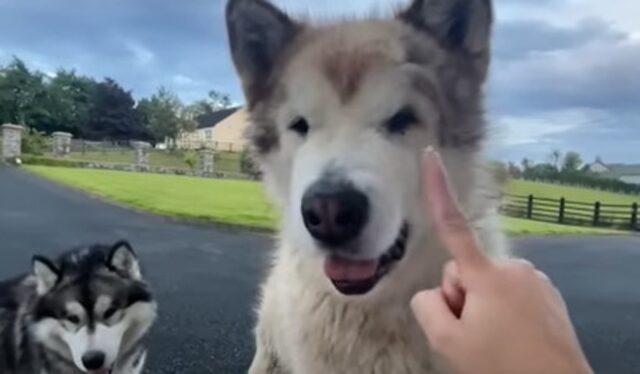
(435, 317)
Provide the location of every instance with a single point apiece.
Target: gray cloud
(519, 39)
(613, 136)
(538, 68)
(600, 75)
(143, 43)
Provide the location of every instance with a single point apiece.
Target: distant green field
(554, 191)
(240, 203)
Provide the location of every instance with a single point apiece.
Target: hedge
(47, 161)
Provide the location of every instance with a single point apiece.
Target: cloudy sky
(566, 73)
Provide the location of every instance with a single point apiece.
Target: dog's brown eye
(401, 121)
(301, 126)
(73, 319)
(109, 313)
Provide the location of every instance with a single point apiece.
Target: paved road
(206, 279)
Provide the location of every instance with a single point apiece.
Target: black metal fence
(622, 216)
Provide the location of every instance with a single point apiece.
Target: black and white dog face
(92, 305)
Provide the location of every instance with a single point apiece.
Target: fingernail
(431, 155)
(416, 305)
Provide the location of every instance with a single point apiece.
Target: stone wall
(158, 170)
(11, 141)
(207, 162)
(141, 152)
(61, 143)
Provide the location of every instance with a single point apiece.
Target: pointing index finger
(449, 222)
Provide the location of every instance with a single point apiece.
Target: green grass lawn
(240, 203)
(231, 202)
(554, 191)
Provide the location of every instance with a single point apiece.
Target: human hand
(492, 317)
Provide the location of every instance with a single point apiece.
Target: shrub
(34, 142)
(46, 161)
(248, 164)
(191, 159)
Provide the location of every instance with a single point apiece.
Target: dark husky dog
(86, 312)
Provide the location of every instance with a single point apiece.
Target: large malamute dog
(84, 313)
(341, 114)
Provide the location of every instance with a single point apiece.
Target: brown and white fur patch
(361, 99)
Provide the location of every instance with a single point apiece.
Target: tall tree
(69, 102)
(214, 102)
(162, 115)
(113, 115)
(80, 105)
(572, 161)
(526, 164)
(555, 157)
(21, 93)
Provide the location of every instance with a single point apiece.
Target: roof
(212, 119)
(625, 169)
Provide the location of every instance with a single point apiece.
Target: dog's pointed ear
(457, 24)
(124, 260)
(46, 273)
(258, 35)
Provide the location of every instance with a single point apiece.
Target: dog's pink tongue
(101, 371)
(340, 269)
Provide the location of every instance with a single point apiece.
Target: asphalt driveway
(206, 279)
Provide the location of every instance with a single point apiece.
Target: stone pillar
(141, 153)
(61, 143)
(11, 141)
(207, 162)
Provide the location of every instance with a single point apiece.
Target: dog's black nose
(334, 213)
(93, 360)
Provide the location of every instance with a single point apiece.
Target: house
(598, 166)
(629, 173)
(222, 130)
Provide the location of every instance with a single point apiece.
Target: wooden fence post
(561, 211)
(596, 213)
(530, 207)
(634, 216)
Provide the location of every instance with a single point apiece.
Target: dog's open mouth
(357, 277)
(101, 371)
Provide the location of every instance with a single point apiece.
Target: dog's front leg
(134, 364)
(138, 365)
(265, 361)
